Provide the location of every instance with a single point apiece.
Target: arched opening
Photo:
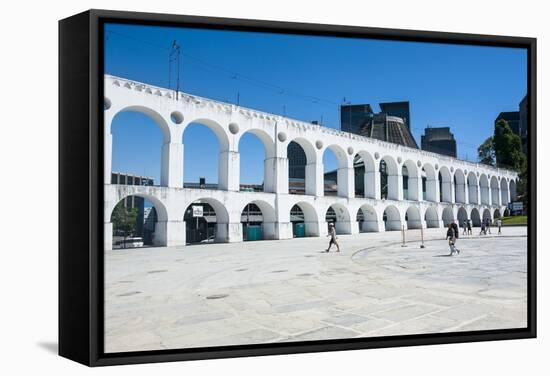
(473, 196)
(447, 216)
(389, 179)
(364, 170)
(413, 218)
(494, 191)
(496, 214)
(135, 222)
(409, 172)
(304, 220)
(330, 173)
(504, 192)
(445, 185)
(460, 186)
(302, 167)
(392, 219)
(367, 218)
(462, 216)
(430, 183)
(431, 218)
(513, 193)
(484, 189)
(487, 215)
(339, 215)
(256, 151)
(258, 221)
(202, 156)
(136, 149)
(506, 212)
(335, 166)
(474, 216)
(206, 221)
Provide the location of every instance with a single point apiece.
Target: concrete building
(439, 140)
(398, 109)
(512, 117)
(523, 122)
(455, 189)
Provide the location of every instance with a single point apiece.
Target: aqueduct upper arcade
(440, 189)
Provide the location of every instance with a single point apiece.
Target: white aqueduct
(468, 190)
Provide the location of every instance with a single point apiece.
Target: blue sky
(464, 87)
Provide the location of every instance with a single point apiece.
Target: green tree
(124, 219)
(486, 152)
(507, 147)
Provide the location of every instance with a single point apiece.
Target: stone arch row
(440, 183)
(362, 218)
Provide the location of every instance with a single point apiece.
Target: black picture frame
(80, 159)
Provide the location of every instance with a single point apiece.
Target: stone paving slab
(288, 290)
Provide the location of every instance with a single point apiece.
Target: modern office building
(512, 118)
(354, 116)
(399, 109)
(523, 122)
(439, 140)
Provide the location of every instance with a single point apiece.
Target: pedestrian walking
(469, 224)
(333, 238)
(451, 237)
(482, 231)
(464, 226)
(487, 225)
(499, 225)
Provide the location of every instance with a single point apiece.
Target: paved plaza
(289, 290)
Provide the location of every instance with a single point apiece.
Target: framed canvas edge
(95, 163)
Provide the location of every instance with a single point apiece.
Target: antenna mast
(174, 60)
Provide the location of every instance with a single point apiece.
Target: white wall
(28, 155)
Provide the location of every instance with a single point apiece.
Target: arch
(462, 216)
(265, 167)
(431, 217)
(310, 218)
(431, 183)
(460, 186)
(475, 218)
(504, 193)
(369, 219)
(413, 218)
(445, 185)
(219, 221)
(340, 176)
(365, 178)
(214, 126)
(342, 220)
(487, 215)
(142, 138)
(495, 195)
(411, 188)
(513, 192)
(151, 231)
(389, 178)
(473, 195)
(447, 215)
(392, 218)
(258, 226)
(484, 189)
(202, 153)
(151, 113)
(497, 214)
(304, 170)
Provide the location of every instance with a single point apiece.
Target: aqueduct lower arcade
(403, 187)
